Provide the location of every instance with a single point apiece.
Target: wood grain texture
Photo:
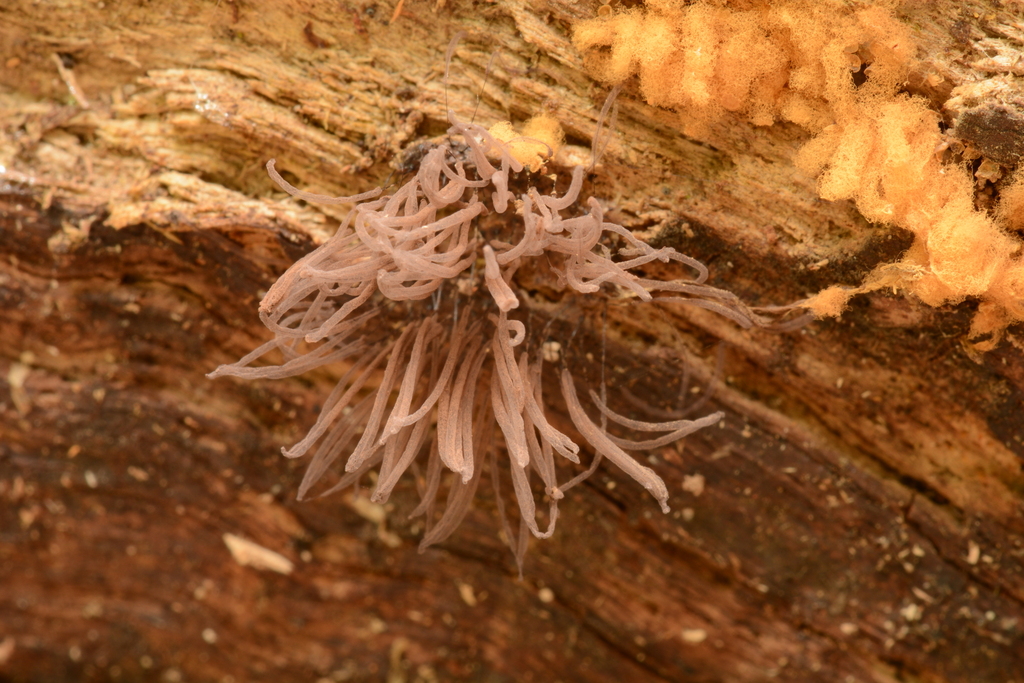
(862, 511)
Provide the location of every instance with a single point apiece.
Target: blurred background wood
(858, 517)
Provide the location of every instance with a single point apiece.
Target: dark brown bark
(862, 516)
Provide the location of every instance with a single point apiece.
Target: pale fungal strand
(426, 374)
(317, 198)
(645, 476)
(503, 295)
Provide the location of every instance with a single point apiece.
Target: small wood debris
(249, 554)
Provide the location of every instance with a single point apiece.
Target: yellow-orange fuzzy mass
(793, 61)
(539, 140)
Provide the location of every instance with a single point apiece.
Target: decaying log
(857, 516)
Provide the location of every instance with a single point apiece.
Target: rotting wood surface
(861, 510)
